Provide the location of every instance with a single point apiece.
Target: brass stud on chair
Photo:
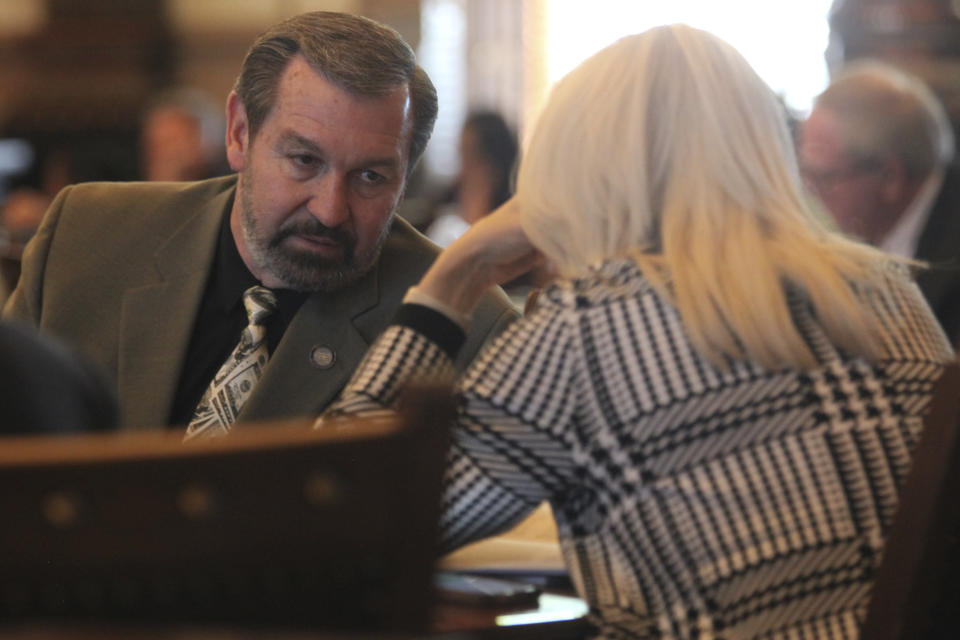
(62, 508)
(322, 488)
(196, 501)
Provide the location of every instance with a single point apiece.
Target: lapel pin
(322, 356)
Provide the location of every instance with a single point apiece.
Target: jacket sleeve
(509, 450)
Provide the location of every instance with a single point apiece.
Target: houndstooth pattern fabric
(691, 502)
(236, 378)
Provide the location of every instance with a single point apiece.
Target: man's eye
(304, 160)
(371, 177)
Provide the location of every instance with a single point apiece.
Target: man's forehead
(299, 76)
(310, 95)
(821, 136)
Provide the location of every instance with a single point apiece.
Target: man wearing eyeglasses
(877, 150)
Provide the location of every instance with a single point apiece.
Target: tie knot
(259, 302)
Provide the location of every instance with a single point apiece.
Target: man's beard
(303, 270)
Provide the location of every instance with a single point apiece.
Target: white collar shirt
(902, 240)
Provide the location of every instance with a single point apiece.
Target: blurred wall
(75, 75)
(212, 36)
(920, 36)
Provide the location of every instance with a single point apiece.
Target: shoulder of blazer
(157, 203)
(128, 222)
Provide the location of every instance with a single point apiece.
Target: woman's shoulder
(909, 324)
(602, 283)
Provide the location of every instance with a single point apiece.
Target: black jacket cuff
(432, 325)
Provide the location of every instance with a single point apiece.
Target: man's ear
(238, 132)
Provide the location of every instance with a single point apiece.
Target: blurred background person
(698, 393)
(878, 150)
(182, 137)
(488, 155)
(488, 159)
(23, 207)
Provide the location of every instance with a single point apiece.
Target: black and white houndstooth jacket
(690, 502)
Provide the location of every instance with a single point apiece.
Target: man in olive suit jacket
(325, 123)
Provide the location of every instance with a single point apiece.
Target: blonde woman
(718, 397)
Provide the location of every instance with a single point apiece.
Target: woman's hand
(492, 251)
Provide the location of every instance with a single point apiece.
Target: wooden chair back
(917, 592)
(277, 524)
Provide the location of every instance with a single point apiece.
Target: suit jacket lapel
(938, 244)
(344, 323)
(157, 318)
(293, 384)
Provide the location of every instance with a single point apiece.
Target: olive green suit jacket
(118, 270)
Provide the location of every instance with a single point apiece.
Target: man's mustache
(313, 228)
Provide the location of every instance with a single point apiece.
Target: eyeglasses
(825, 181)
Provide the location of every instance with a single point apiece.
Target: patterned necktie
(232, 384)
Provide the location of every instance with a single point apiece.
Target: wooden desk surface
(557, 617)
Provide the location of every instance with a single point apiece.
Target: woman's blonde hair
(667, 147)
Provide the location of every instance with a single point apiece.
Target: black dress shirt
(220, 321)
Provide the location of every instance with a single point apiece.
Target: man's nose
(329, 201)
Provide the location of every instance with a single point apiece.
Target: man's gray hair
(885, 110)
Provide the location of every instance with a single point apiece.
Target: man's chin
(317, 275)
